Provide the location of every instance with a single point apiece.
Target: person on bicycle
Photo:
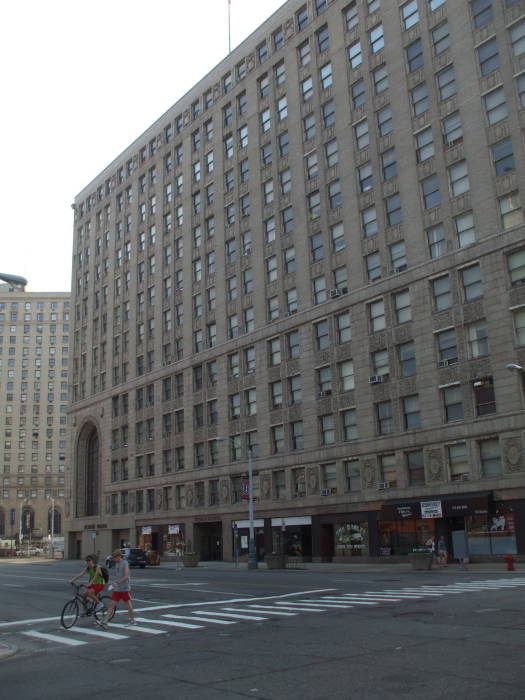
(96, 581)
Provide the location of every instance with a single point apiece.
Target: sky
(79, 82)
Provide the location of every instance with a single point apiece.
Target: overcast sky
(80, 81)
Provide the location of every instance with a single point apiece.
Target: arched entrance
(87, 472)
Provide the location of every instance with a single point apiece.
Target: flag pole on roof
(229, 28)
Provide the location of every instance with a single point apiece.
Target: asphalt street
(226, 633)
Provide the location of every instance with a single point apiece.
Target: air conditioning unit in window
(247, 251)
(150, 437)
(382, 485)
(447, 363)
(335, 293)
(375, 379)
(325, 492)
(324, 394)
(397, 269)
(465, 477)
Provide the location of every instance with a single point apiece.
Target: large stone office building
(316, 255)
(34, 450)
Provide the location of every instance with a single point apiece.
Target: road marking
(398, 594)
(184, 625)
(137, 628)
(375, 599)
(200, 619)
(68, 641)
(99, 633)
(263, 609)
(288, 606)
(327, 604)
(13, 585)
(233, 615)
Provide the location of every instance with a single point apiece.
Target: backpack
(105, 573)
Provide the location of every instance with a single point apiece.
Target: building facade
(316, 256)
(34, 355)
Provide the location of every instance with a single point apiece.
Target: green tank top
(98, 579)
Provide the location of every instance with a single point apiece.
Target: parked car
(134, 557)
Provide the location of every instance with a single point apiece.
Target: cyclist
(96, 581)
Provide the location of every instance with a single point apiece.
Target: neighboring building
(34, 451)
(318, 254)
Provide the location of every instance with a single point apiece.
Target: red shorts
(120, 595)
(97, 587)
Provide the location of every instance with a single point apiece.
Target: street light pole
(52, 527)
(252, 554)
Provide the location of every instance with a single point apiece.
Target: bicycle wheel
(69, 613)
(99, 609)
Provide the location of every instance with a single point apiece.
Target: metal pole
(252, 555)
(52, 528)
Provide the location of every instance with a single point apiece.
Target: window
(352, 475)
(328, 112)
(458, 461)
(446, 83)
(495, 106)
(304, 54)
(488, 57)
(465, 231)
(282, 111)
(276, 394)
(320, 6)
(397, 254)
(325, 76)
(293, 345)
(297, 435)
(442, 293)
(266, 122)
(472, 282)
(264, 86)
(271, 268)
(285, 178)
(419, 99)
(262, 52)
(409, 14)
(349, 424)
(277, 439)
(324, 381)
(411, 413)
(516, 267)
(301, 17)
(274, 352)
(437, 245)
(424, 144)
(377, 316)
(283, 143)
(478, 342)
(346, 375)
(376, 39)
(393, 210)
(517, 38)
(312, 165)
(337, 235)
(373, 266)
(243, 136)
(334, 194)
(490, 457)
(385, 423)
(351, 16)
(447, 347)
(355, 56)
(358, 94)
(366, 180)
(402, 306)
(481, 12)
(323, 39)
(440, 38)
(287, 220)
(369, 221)
(519, 326)
(307, 89)
(458, 178)
(510, 210)
(327, 429)
(414, 55)
(415, 467)
(434, 4)
(289, 260)
(319, 289)
(361, 134)
(430, 192)
(388, 164)
(407, 358)
(278, 39)
(452, 129)
(380, 363)
(503, 157)
(321, 335)
(520, 85)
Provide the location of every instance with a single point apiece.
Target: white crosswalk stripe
(267, 611)
(68, 641)
(169, 623)
(136, 628)
(325, 603)
(103, 634)
(201, 619)
(231, 615)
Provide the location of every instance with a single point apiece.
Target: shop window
(351, 539)
(491, 534)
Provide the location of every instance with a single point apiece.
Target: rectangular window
(355, 57)
(402, 306)
(407, 358)
(519, 326)
(414, 55)
(376, 39)
(349, 424)
(437, 244)
(447, 347)
(442, 293)
(465, 230)
(385, 423)
(484, 396)
(411, 413)
(503, 157)
(440, 38)
(415, 467)
(495, 106)
(393, 210)
(352, 475)
(446, 83)
(472, 282)
(419, 99)
(424, 145)
(458, 461)
(458, 178)
(490, 458)
(478, 342)
(377, 316)
(510, 210)
(346, 375)
(430, 192)
(409, 14)
(488, 56)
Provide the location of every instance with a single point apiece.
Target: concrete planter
(276, 561)
(421, 561)
(190, 559)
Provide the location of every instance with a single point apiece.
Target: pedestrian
(120, 589)
(442, 551)
(96, 582)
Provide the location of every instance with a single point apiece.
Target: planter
(190, 559)
(276, 561)
(421, 561)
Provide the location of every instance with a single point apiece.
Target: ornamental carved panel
(513, 454)
(369, 474)
(313, 480)
(435, 468)
(266, 486)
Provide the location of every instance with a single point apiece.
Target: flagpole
(229, 29)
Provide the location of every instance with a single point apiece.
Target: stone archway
(87, 472)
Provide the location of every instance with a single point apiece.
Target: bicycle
(71, 610)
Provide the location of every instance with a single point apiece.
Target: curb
(7, 650)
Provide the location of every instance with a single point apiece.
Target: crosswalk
(205, 617)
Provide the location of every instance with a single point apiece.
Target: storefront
(344, 536)
(165, 539)
(241, 539)
(471, 525)
(292, 536)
